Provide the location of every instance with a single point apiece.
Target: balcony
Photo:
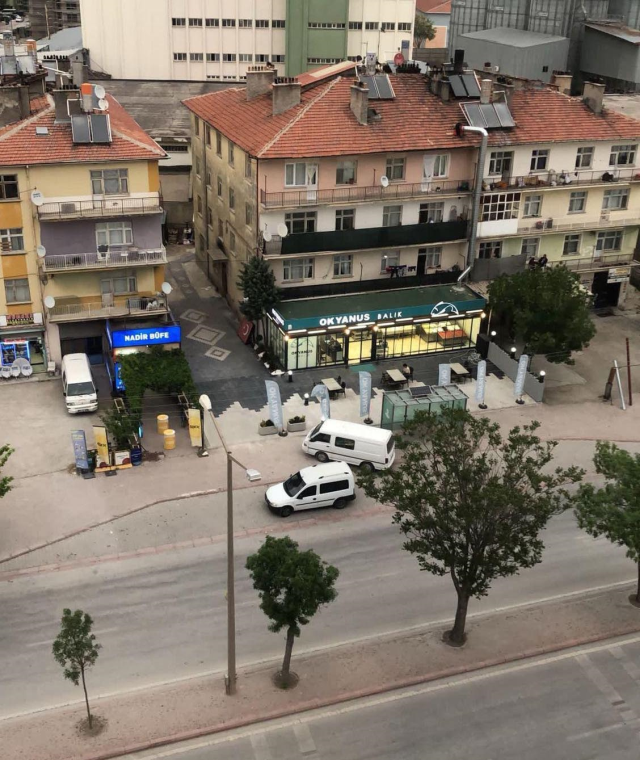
(72, 310)
(99, 208)
(594, 263)
(355, 194)
(367, 238)
(569, 224)
(115, 257)
(561, 180)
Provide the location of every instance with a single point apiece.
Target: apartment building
(82, 255)
(50, 16)
(215, 40)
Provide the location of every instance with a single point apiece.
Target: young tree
(5, 480)
(614, 511)
(470, 502)
(258, 284)
(423, 29)
(546, 309)
(76, 649)
(292, 586)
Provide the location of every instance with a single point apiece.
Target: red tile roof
(323, 124)
(433, 6)
(19, 144)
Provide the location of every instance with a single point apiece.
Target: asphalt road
(579, 705)
(163, 617)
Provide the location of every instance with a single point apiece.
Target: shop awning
(389, 305)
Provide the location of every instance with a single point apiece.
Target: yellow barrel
(169, 439)
(163, 422)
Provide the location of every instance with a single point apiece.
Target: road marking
(261, 749)
(305, 741)
(603, 730)
(597, 677)
(631, 668)
(49, 642)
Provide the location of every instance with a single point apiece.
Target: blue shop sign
(146, 336)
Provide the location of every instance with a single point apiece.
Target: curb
(315, 704)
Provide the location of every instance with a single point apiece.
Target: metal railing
(591, 263)
(560, 225)
(98, 309)
(125, 256)
(562, 180)
(99, 208)
(354, 193)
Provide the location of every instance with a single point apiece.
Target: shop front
(21, 338)
(365, 327)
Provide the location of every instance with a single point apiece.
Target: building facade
(50, 16)
(211, 40)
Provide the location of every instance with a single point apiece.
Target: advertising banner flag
(321, 392)
(481, 381)
(523, 365)
(102, 445)
(365, 393)
(79, 441)
(444, 374)
(195, 427)
(275, 403)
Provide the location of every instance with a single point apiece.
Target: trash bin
(169, 439)
(163, 423)
(136, 456)
(92, 456)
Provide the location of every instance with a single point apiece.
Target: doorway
(422, 262)
(360, 346)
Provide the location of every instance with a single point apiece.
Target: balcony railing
(561, 180)
(593, 263)
(114, 258)
(354, 193)
(74, 311)
(99, 208)
(567, 224)
(367, 238)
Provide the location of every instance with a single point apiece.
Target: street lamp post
(252, 475)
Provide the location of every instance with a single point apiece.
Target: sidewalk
(144, 719)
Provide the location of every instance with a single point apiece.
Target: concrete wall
(304, 43)
(502, 360)
(527, 62)
(610, 57)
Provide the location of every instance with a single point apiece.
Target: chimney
(77, 70)
(487, 66)
(445, 90)
(60, 98)
(486, 87)
(86, 92)
(562, 81)
(286, 94)
(593, 95)
(360, 102)
(259, 80)
(8, 44)
(458, 61)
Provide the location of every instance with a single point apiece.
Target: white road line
(603, 730)
(305, 741)
(597, 677)
(49, 642)
(261, 749)
(631, 668)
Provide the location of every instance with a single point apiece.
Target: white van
(77, 384)
(323, 485)
(370, 447)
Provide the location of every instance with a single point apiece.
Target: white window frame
(343, 265)
(11, 240)
(433, 256)
(530, 247)
(344, 170)
(101, 177)
(341, 215)
(496, 207)
(108, 285)
(105, 231)
(292, 218)
(490, 247)
(626, 150)
(433, 210)
(497, 161)
(293, 168)
(389, 259)
(584, 157)
(578, 195)
(395, 168)
(392, 212)
(441, 166)
(615, 199)
(10, 285)
(570, 241)
(532, 205)
(539, 160)
(296, 270)
(616, 235)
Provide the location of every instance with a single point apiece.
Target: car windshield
(294, 484)
(315, 430)
(80, 389)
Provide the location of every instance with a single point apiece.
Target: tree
(546, 309)
(292, 586)
(614, 510)
(76, 649)
(423, 29)
(5, 480)
(470, 502)
(258, 284)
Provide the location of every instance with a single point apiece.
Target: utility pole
(629, 373)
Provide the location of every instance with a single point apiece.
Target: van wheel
(367, 467)
(321, 456)
(340, 503)
(286, 511)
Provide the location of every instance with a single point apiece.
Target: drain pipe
(477, 191)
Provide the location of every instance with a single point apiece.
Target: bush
(266, 423)
(297, 419)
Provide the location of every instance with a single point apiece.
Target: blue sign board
(117, 371)
(79, 442)
(146, 336)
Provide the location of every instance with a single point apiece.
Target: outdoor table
(395, 377)
(333, 386)
(459, 370)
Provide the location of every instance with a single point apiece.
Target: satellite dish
(37, 198)
(103, 104)
(166, 288)
(384, 180)
(49, 302)
(267, 236)
(99, 91)
(41, 251)
(283, 230)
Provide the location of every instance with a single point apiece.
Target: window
(229, 57)
(9, 186)
(219, 144)
(278, 24)
(228, 22)
(577, 201)
(178, 22)
(584, 158)
(261, 57)
(247, 166)
(355, 24)
(209, 217)
(500, 162)
(232, 199)
(213, 57)
(11, 239)
(530, 247)
(114, 233)
(199, 205)
(119, 285)
(278, 58)
(232, 242)
(295, 175)
(371, 25)
(245, 23)
(110, 182)
(219, 182)
(545, 69)
(248, 214)
(395, 169)
(179, 56)
(297, 269)
(231, 154)
(220, 229)
(196, 125)
(345, 443)
(615, 200)
(321, 438)
(346, 172)
(345, 218)
(196, 56)
(17, 291)
(245, 57)
(539, 159)
(532, 205)
(404, 26)
(195, 22)
(197, 167)
(388, 26)
(490, 249)
(262, 23)
(571, 245)
(300, 221)
(433, 256)
(623, 155)
(389, 260)
(441, 165)
(497, 206)
(212, 22)
(392, 216)
(611, 240)
(311, 491)
(326, 25)
(338, 485)
(431, 212)
(208, 134)
(343, 265)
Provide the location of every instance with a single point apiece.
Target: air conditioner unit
(67, 208)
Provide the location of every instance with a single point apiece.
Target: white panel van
(77, 384)
(323, 485)
(370, 447)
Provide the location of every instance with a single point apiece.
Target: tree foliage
(76, 649)
(471, 502)
(546, 309)
(614, 510)
(258, 283)
(292, 586)
(5, 480)
(423, 29)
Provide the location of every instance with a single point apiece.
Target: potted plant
(297, 424)
(267, 428)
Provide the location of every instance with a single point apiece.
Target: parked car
(370, 447)
(323, 485)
